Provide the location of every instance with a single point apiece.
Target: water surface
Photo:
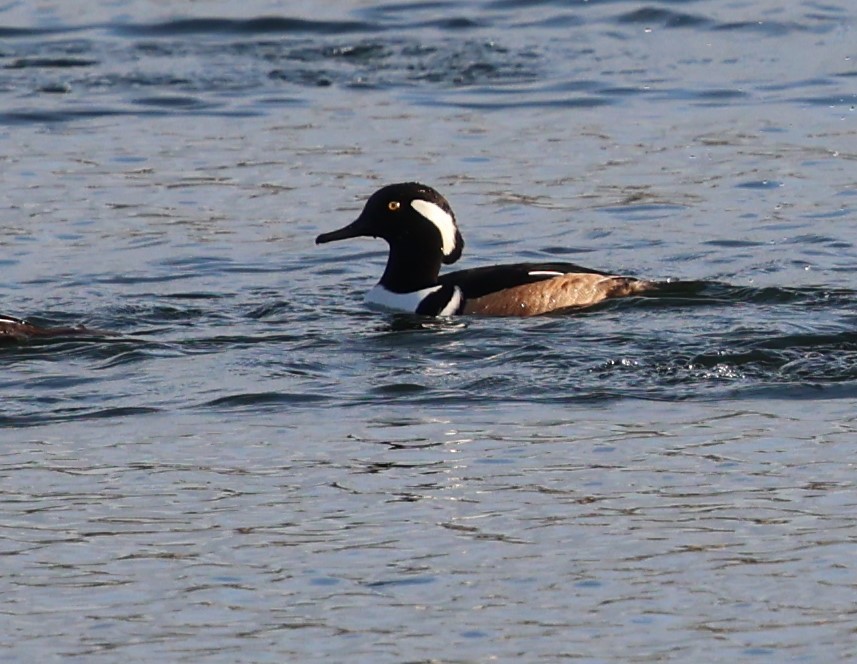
(260, 468)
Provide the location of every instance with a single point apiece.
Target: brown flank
(568, 290)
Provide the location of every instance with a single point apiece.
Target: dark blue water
(254, 466)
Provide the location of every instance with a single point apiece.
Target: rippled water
(256, 467)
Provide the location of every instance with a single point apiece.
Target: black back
(480, 281)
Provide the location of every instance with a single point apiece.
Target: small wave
(830, 101)
(253, 26)
(174, 102)
(44, 416)
(766, 28)
(260, 400)
(17, 33)
(39, 116)
(664, 18)
(49, 63)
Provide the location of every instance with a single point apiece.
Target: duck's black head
(413, 218)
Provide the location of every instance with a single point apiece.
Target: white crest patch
(545, 273)
(441, 219)
(408, 302)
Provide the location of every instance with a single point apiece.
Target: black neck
(411, 268)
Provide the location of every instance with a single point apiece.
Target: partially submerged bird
(17, 330)
(419, 225)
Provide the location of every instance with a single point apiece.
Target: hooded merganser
(16, 329)
(419, 225)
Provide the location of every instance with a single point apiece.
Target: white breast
(385, 299)
(382, 298)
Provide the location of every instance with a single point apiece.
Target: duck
(421, 230)
(14, 330)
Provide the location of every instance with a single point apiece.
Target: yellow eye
(393, 205)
